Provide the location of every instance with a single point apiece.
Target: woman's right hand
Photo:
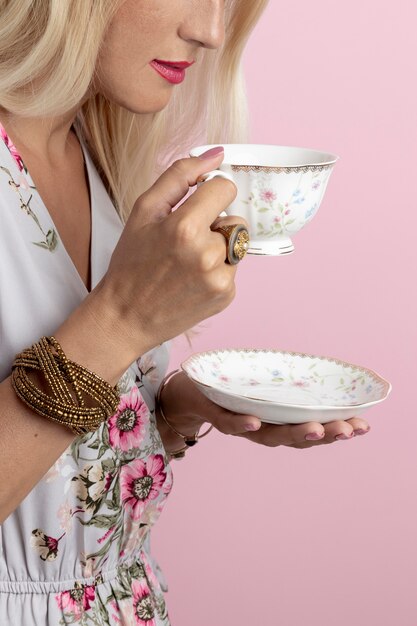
(168, 270)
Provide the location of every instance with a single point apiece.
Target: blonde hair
(48, 56)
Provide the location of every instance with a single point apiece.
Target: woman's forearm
(30, 443)
(29, 446)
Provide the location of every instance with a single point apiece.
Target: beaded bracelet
(62, 376)
(189, 440)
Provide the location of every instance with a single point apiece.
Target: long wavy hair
(48, 56)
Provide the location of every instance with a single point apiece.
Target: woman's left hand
(187, 409)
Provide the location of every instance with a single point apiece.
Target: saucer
(285, 387)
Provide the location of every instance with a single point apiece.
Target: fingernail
(252, 427)
(210, 154)
(314, 436)
(344, 437)
(361, 431)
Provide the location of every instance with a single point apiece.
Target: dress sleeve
(151, 369)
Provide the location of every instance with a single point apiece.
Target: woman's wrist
(176, 416)
(95, 336)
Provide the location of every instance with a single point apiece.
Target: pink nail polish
(252, 427)
(314, 436)
(213, 152)
(361, 431)
(344, 437)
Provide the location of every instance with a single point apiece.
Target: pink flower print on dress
(127, 425)
(141, 482)
(12, 148)
(122, 612)
(143, 606)
(116, 612)
(45, 546)
(150, 574)
(76, 601)
(267, 195)
(134, 533)
(108, 481)
(152, 512)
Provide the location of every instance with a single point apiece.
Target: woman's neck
(44, 138)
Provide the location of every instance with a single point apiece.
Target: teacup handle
(204, 178)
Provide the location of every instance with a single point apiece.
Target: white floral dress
(76, 550)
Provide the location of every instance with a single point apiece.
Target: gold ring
(237, 241)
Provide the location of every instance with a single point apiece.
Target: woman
(86, 109)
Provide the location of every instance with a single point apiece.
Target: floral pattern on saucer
(287, 377)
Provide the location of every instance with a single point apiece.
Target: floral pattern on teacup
(286, 209)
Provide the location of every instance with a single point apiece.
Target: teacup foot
(271, 248)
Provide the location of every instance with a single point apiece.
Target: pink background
(321, 537)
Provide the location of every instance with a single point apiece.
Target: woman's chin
(147, 104)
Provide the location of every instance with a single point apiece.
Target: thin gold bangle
(189, 440)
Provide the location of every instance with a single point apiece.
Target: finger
(171, 187)
(343, 430)
(338, 430)
(220, 238)
(359, 425)
(227, 422)
(230, 423)
(273, 435)
(230, 220)
(207, 202)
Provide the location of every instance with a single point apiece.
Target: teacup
(280, 190)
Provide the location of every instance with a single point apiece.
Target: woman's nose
(205, 26)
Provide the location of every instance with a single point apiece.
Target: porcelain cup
(280, 189)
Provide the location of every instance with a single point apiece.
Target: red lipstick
(172, 71)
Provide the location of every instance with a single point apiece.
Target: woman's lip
(182, 65)
(172, 74)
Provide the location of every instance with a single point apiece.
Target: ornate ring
(237, 241)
